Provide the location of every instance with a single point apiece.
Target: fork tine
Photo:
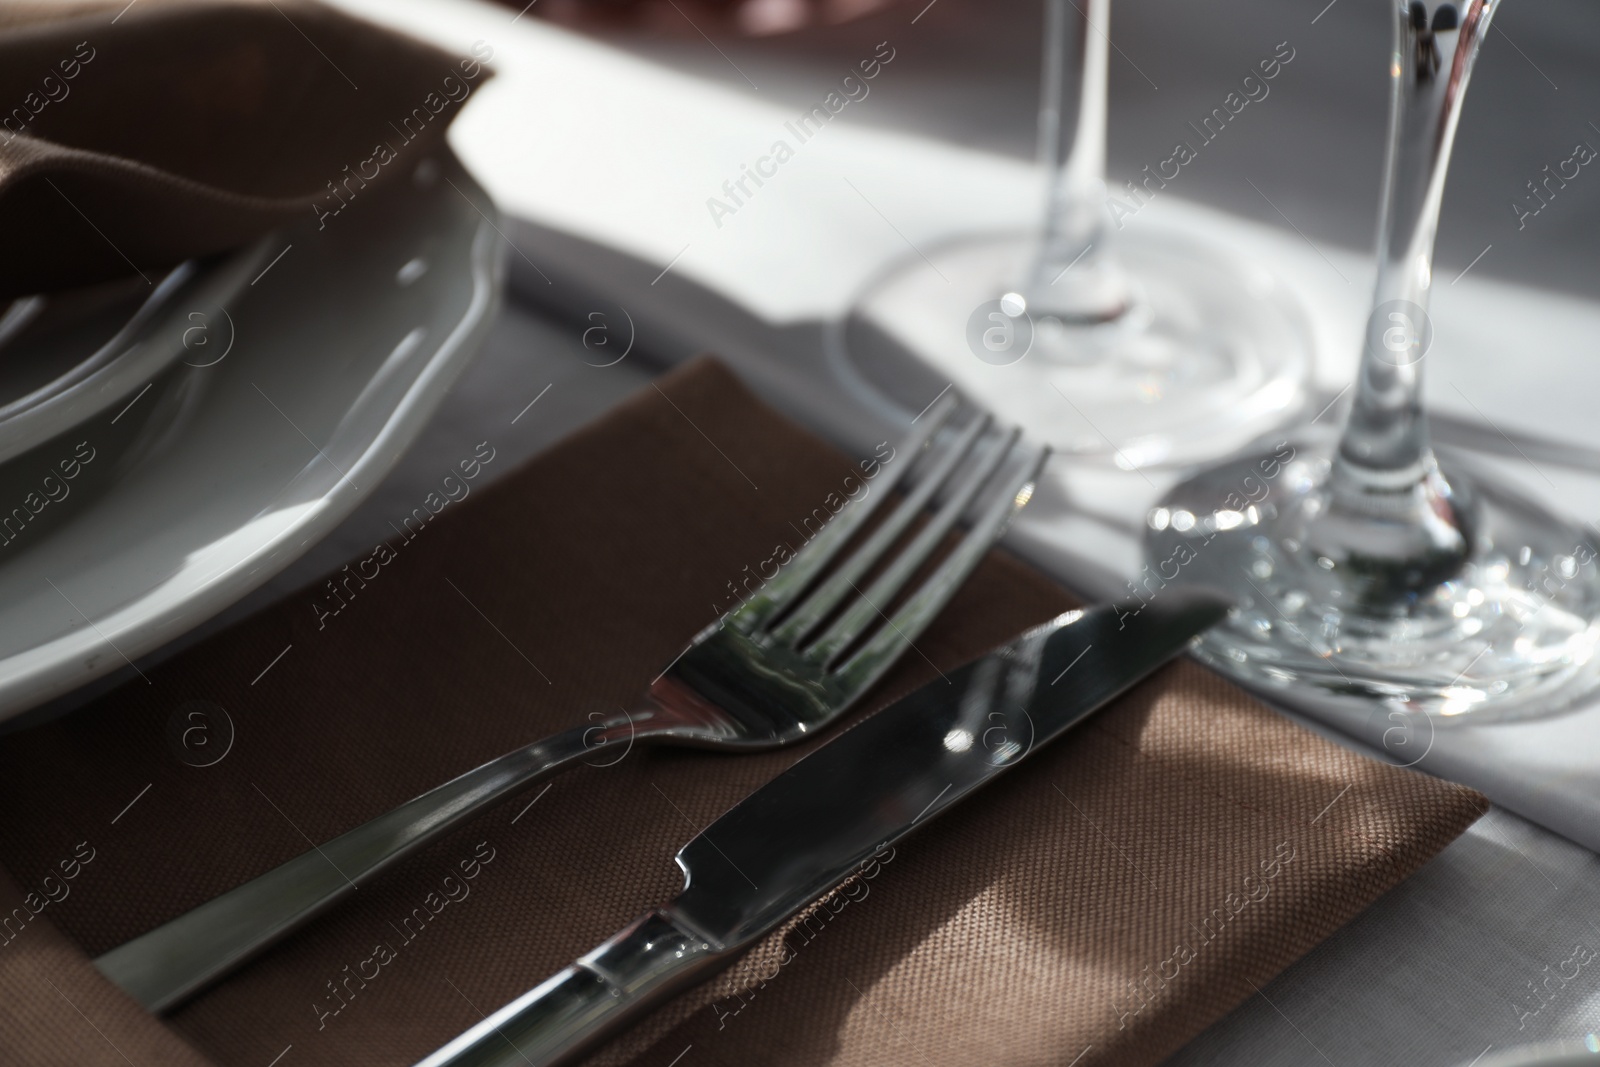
(797, 575)
(859, 615)
(878, 654)
(841, 583)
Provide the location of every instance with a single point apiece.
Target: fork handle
(576, 1009)
(167, 965)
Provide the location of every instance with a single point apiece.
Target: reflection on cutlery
(803, 833)
(789, 661)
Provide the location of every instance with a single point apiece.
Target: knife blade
(803, 833)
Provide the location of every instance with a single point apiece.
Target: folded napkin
(137, 135)
(1112, 896)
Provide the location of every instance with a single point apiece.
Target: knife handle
(164, 966)
(573, 1011)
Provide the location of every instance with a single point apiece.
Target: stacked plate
(167, 443)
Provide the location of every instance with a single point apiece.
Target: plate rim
(55, 667)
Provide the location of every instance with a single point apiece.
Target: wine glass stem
(1071, 275)
(1385, 444)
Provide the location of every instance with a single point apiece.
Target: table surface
(1435, 973)
(1446, 966)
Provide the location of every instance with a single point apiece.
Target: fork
(790, 660)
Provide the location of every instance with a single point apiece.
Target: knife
(803, 833)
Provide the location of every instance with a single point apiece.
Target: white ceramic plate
(129, 529)
(67, 357)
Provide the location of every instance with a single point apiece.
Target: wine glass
(1105, 333)
(1364, 567)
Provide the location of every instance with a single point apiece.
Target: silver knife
(804, 832)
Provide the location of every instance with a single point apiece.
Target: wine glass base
(1514, 633)
(1211, 355)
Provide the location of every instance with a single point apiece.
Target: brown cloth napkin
(134, 136)
(1111, 897)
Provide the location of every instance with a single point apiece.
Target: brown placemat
(136, 135)
(1112, 896)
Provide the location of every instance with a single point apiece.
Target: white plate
(212, 478)
(67, 357)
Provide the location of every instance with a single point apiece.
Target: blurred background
(968, 73)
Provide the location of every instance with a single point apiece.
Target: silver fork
(790, 660)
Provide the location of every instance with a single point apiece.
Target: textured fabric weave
(1110, 897)
(55, 1009)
